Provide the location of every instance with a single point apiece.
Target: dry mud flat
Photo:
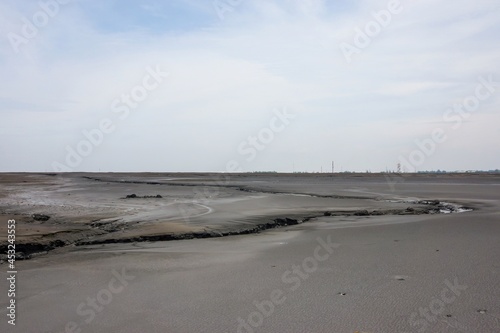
(57, 210)
(345, 272)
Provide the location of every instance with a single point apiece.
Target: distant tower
(333, 166)
(399, 167)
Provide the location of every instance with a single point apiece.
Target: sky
(249, 85)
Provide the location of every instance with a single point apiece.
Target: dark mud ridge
(135, 196)
(24, 251)
(433, 207)
(437, 207)
(276, 223)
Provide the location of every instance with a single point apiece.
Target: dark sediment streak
(24, 251)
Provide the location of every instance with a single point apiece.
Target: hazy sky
(251, 85)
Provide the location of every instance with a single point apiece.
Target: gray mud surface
(56, 210)
(341, 253)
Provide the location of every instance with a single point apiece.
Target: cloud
(228, 75)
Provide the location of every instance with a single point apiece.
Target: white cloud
(226, 79)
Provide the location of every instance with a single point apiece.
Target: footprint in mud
(400, 277)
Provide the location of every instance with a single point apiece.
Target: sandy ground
(340, 273)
